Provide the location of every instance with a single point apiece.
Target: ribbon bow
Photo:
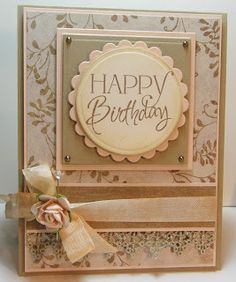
(78, 238)
(56, 213)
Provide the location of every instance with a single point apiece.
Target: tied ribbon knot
(78, 238)
(56, 213)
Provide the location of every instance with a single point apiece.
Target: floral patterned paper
(40, 67)
(136, 249)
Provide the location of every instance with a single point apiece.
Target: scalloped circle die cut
(128, 101)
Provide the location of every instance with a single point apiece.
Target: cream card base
(188, 237)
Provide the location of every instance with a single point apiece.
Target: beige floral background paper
(40, 73)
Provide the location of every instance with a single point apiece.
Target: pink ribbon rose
(52, 212)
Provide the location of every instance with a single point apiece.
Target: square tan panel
(74, 149)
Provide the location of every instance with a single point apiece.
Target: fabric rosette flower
(52, 212)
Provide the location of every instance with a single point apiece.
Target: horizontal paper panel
(76, 192)
(189, 249)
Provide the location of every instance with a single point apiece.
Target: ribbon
(78, 238)
(55, 213)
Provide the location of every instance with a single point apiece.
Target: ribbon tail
(76, 240)
(101, 245)
(79, 239)
(39, 180)
(18, 205)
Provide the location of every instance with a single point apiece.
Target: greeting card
(121, 140)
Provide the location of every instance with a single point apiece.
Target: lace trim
(128, 243)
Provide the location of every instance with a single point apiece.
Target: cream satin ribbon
(78, 238)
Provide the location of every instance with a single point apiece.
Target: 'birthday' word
(130, 114)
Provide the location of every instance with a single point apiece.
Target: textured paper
(137, 249)
(83, 43)
(41, 130)
(125, 93)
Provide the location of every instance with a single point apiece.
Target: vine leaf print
(105, 176)
(40, 115)
(210, 45)
(32, 21)
(204, 152)
(67, 20)
(123, 18)
(173, 24)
